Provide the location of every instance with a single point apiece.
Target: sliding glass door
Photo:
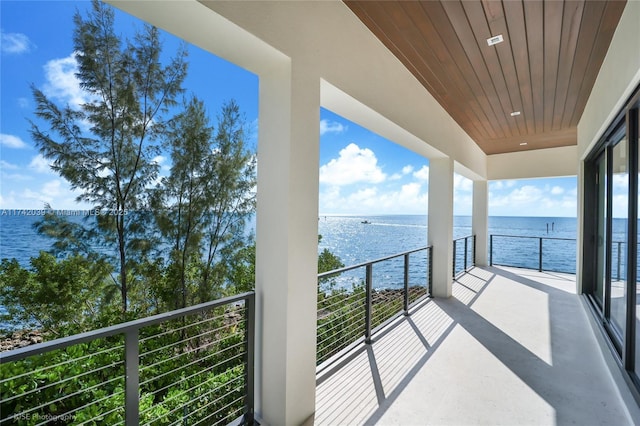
(611, 259)
(611, 242)
(601, 230)
(618, 243)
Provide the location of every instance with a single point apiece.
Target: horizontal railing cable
(200, 360)
(185, 379)
(346, 315)
(146, 367)
(525, 256)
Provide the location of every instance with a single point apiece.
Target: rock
(20, 339)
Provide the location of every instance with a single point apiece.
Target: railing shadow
(569, 382)
(400, 350)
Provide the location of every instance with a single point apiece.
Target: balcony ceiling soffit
(545, 68)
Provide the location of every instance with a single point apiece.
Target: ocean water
(357, 242)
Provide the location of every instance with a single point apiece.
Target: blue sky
(360, 172)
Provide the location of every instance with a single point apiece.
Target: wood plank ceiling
(545, 68)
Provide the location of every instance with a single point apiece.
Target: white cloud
(556, 190)
(621, 180)
(15, 43)
(410, 198)
(461, 183)
(52, 188)
(354, 165)
(327, 126)
(8, 166)
(40, 164)
(161, 161)
(526, 194)
(11, 141)
(23, 103)
(55, 192)
(502, 184)
(422, 174)
(532, 198)
(407, 169)
(62, 83)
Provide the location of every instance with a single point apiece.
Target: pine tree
(204, 203)
(180, 201)
(105, 147)
(230, 195)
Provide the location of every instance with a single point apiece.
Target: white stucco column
(441, 224)
(287, 244)
(480, 220)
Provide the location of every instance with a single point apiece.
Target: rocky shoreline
(20, 339)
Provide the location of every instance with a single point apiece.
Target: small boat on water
(366, 222)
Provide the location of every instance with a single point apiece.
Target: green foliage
(79, 382)
(61, 296)
(341, 314)
(242, 269)
(202, 206)
(328, 261)
(191, 369)
(155, 244)
(105, 147)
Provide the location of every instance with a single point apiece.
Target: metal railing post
(406, 284)
(466, 254)
(619, 249)
(455, 244)
(250, 334)
(474, 250)
(368, 303)
(540, 256)
(430, 272)
(491, 250)
(132, 377)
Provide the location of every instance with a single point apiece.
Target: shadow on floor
(507, 348)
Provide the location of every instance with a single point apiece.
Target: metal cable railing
(464, 254)
(190, 366)
(541, 253)
(352, 309)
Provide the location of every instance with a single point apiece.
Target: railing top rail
(21, 353)
(371, 262)
(530, 236)
(463, 238)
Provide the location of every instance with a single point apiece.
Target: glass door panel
(601, 234)
(619, 237)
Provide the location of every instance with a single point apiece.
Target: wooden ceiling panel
(477, 19)
(572, 16)
(498, 25)
(455, 50)
(457, 19)
(552, 37)
(534, 27)
(545, 68)
(514, 14)
(610, 13)
(460, 92)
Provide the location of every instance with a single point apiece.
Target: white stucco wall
(551, 162)
(618, 77)
(329, 38)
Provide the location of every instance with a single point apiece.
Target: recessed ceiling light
(514, 113)
(522, 143)
(495, 40)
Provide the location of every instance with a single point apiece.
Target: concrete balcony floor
(511, 347)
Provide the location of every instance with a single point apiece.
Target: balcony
(512, 346)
